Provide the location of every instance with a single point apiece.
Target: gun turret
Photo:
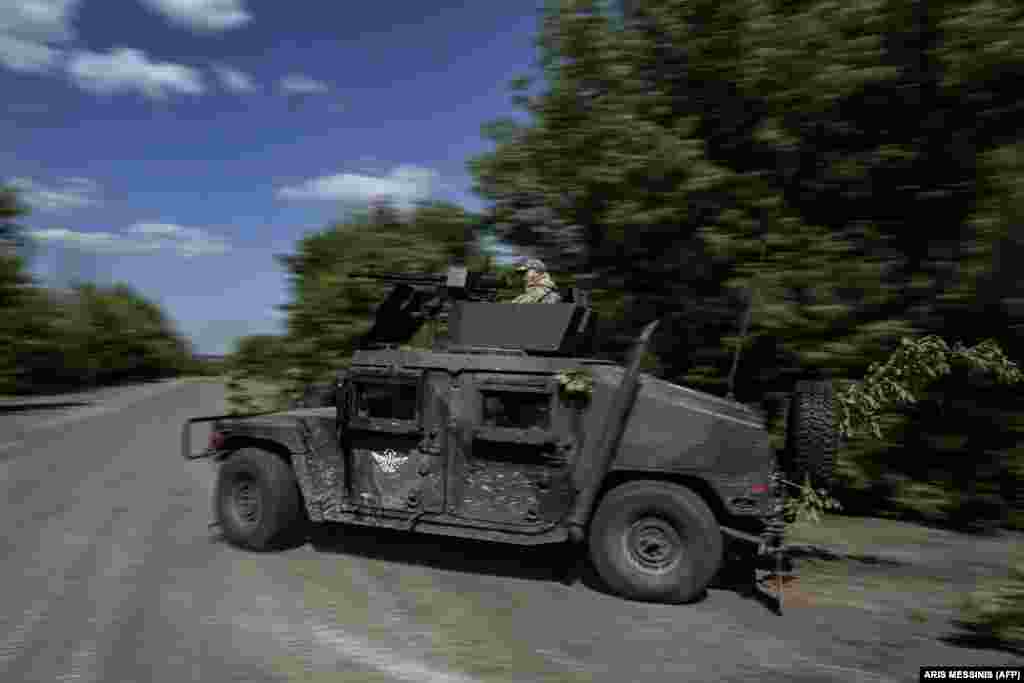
(417, 297)
(467, 301)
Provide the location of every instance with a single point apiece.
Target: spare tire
(812, 434)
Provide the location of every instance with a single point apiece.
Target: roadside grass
(862, 535)
(843, 581)
(879, 589)
(917, 591)
(994, 613)
(409, 606)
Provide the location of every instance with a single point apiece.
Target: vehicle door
(395, 462)
(513, 459)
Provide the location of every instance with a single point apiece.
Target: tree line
(84, 336)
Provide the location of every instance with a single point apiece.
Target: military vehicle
(510, 430)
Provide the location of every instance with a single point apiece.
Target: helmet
(532, 264)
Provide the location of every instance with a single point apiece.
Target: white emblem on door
(389, 461)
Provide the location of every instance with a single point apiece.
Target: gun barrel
(475, 281)
(411, 278)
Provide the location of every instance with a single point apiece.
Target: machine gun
(417, 297)
(458, 283)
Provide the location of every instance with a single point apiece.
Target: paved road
(110, 573)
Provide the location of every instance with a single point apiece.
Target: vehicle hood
(675, 428)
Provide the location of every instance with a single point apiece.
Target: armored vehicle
(510, 430)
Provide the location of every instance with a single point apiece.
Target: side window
(385, 400)
(516, 409)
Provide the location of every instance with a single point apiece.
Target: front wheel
(655, 541)
(258, 503)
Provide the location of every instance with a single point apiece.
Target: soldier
(540, 288)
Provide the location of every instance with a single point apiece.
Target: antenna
(751, 292)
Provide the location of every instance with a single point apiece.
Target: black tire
(258, 502)
(812, 434)
(655, 541)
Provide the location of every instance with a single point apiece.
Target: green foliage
(261, 355)
(873, 150)
(960, 438)
(240, 396)
(807, 504)
(207, 367)
(576, 384)
(53, 340)
(916, 364)
(330, 310)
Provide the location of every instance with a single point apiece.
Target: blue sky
(179, 144)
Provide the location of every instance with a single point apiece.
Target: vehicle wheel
(259, 506)
(812, 435)
(655, 541)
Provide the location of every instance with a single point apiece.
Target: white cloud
(140, 238)
(203, 15)
(30, 30)
(127, 69)
(233, 79)
(71, 193)
(25, 55)
(186, 241)
(404, 185)
(156, 229)
(298, 84)
(98, 242)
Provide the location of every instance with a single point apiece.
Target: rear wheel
(259, 506)
(655, 541)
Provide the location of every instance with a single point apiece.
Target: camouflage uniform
(540, 288)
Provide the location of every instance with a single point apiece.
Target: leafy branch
(898, 381)
(807, 504)
(576, 384)
(902, 378)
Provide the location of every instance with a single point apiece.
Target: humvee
(479, 437)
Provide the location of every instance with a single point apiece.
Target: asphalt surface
(111, 573)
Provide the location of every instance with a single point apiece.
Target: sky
(178, 145)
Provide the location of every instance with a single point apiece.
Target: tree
(855, 169)
(330, 310)
(114, 334)
(260, 355)
(11, 209)
(18, 327)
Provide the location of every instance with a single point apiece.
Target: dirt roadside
(911, 579)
